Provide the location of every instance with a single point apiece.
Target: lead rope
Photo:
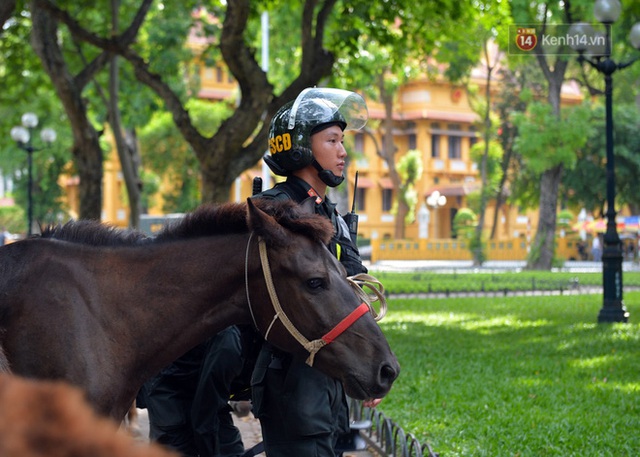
(362, 280)
(246, 280)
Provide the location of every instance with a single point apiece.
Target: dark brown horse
(106, 309)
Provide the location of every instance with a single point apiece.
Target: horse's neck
(197, 290)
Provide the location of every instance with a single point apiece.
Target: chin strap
(327, 176)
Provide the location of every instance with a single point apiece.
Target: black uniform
(301, 410)
(188, 400)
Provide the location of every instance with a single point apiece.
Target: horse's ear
(264, 225)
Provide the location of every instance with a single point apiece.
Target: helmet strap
(327, 176)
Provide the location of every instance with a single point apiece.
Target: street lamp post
(22, 135)
(436, 200)
(607, 12)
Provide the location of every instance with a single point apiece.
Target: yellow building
(435, 118)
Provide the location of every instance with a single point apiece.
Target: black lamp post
(607, 12)
(22, 135)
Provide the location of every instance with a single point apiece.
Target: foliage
(166, 153)
(515, 376)
(27, 89)
(464, 222)
(13, 218)
(494, 159)
(49, 204)
(565, 217)
(478, 248)
(546, 141)
(410, 170)
(388, 43)
(585, 185)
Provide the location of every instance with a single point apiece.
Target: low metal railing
(385, 437)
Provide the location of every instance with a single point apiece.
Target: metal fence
(385, 437)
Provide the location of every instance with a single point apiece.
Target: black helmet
(313, 110)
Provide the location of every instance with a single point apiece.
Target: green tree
(409, 169)
(464, 223)
(584, 185)
(546, 142)
(554, 67)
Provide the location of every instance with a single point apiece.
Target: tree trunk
(86, 147)
(501, 197)
(543, 247)
(127, 150)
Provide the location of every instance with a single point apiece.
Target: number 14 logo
(526, 39)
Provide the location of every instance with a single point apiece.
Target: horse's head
(320, 312)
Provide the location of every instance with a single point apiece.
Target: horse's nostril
(388, 373)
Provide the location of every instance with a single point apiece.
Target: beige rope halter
(357, 282)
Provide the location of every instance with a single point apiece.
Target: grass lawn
(469, 281)
(516, 376)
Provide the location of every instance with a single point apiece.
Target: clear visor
(321, 104)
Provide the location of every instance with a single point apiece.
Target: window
(435, 146)
(455, 149)
(455, 141)
(413, 142)
(387, 200)
(435, 140)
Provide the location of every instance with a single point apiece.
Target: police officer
(187, 401)
(302, 411)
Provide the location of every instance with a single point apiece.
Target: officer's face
(328, 149)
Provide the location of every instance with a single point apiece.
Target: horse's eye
(315, 283)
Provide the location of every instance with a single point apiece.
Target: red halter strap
(346, 323)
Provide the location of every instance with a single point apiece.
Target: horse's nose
(388, 373)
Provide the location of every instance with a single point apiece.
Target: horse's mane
(95, 233)
(206, 220)
(226, 218)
